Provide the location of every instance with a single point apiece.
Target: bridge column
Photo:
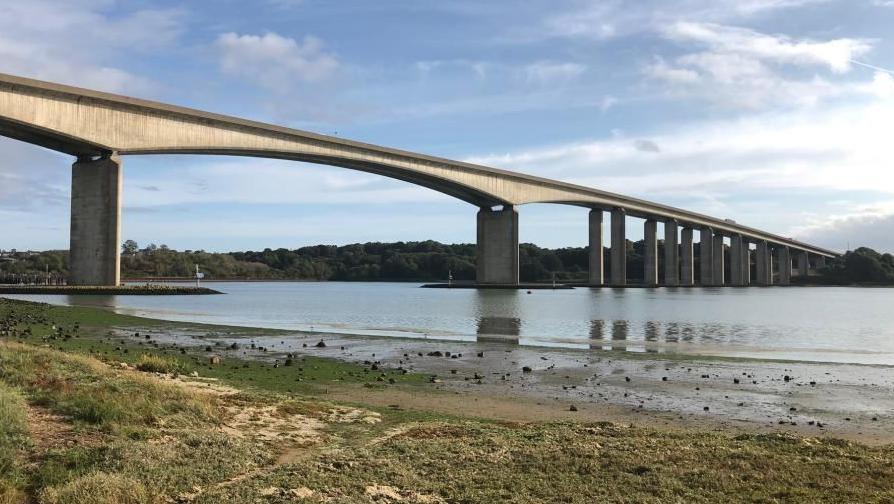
(717, 271)
(688, 261)
(497, 261)
(764, 263)
(706, 256)
(95, 240)
(671, 254)
(735, 260)
(784, 258)
(803, 264)
(597, 258)
(820, 262)
(619, 247)
(650, 255)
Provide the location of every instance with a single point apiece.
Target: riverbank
(97, 416)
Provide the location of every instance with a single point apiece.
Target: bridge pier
(784, 258)
(650, 254)
(95, 240)
(671, 254)
(803, 264)
(706, 256)
(688, 261)
(764, 263)
(497, 261)
(717, 271)
(619, 247)
(597, 256)
(735, 260)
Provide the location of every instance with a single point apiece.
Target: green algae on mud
(126, 338)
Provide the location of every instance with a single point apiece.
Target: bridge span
(99, 128)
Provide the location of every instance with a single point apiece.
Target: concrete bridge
(99, 128)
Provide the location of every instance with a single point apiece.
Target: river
(825, 324)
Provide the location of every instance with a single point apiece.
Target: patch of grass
(152, 363)
(101, 488)
(13, 428)
(576, 463)
(87, 390)
(13, 439)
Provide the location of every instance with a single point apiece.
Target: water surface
(816, 324)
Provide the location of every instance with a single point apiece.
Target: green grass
(13, 440)
(578, 463)
(87, 331)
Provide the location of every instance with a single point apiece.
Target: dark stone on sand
(436, 353)
(572, 408)
(321, 344)
(526, 369)
(736, 381)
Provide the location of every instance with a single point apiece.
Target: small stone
(572, 408)
(706, 408)
(214, 360)
(526, 369)
(321, 344)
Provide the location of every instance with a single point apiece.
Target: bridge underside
(97, 128)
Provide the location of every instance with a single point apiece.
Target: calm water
(819, 324)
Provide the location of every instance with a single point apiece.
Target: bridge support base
(650, 254)
(497, 261)
(717, 268)
(94, 253)
(784, 258)
(597, 257)
(619, 248)
(706, 257)
(671, 254)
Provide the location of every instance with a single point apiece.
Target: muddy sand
(504, 381)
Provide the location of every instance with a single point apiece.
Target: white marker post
(199, 275)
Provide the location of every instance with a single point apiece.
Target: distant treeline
(400, 261)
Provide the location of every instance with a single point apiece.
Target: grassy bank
(90, 417)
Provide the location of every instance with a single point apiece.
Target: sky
(778, 114)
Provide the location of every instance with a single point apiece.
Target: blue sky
(776, 113)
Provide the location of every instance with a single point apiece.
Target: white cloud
(548, 73)
(662, 71)
(882, 85)
(836, 54)
(735, 67)
(863, 226)
(78, 42)
(613, 18)
(275, 62)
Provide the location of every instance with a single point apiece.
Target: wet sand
(488, 379)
